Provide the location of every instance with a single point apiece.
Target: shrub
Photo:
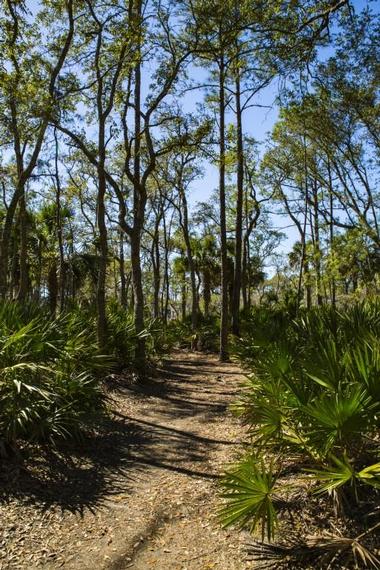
(313, 393)
(50, 374)
(179, 333)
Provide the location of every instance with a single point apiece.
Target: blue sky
(258, 123)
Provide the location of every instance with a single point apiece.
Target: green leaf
(249, 489)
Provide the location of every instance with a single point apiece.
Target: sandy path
(153, 503)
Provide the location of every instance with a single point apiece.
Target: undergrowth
(311, 405)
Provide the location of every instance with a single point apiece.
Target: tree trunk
(61, 275)
(183, 301)
(308, 285)
(190, 260)
(244, 270)
(206, 291)
(156, 263)
(139, 200)
(223, 349)
(317, 246)
(156, 281)
(331, 232)
(24, 277)
(53, 288)
(123, 281)
(166, 284)
(138, 297)
(103, 252)
(6, 239)
(37, 292)
(239, 209)
(14, 269)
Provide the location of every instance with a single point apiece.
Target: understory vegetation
(52, 373)
(311, 406)
(200, 175)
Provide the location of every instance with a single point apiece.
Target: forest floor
(144, 493)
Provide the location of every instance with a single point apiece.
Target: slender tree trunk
(166, 284)
(24, 277)
(190, 260)
(37, 292)
(155, 254)
(317, 246)
(61, 273)
(239, 209)
(132, 299)
(14, 269)
(244, 270)
(183, 300)
(138, 297)
(331, 231)
(103, 253)
(304, 267)
(53, 288)
(207, 291)
(6, 239)
(139, 200)
(309, 293)
(223, 349)
(100, 204)
(123, 281)
(73, 291)
(249, 276)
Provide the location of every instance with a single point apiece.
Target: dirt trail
(146, 495)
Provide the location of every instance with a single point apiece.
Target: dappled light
(189, 284)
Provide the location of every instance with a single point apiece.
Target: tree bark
(59, 222)
(317, 244)
(53, 288)
(223, 347)
(103, 253)
(183, 300)
(239, 209)
(207, 291)
(24, 277)
(156, 262)
(139, 201)
(123, 281)
(184, 221)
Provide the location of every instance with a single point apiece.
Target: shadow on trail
(180, 433)
(182, 393)
(79, 478)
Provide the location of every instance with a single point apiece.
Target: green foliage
(121, 334)
(249, 489)
(342, 472)
(180, 334)
(49, 374)
(313, 393)
(51, 369)
(122, 337)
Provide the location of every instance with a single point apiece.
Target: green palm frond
(343, 472)
(49, 374)
(335, 476)
(370, 475)
(339, 417)
(364, 366)
(249, 490)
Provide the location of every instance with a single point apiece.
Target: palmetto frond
(318, 551)
(314, 389)
(249, 490)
